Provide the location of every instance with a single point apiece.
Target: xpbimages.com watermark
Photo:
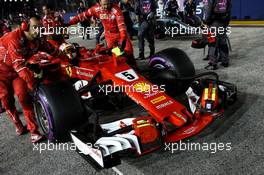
(192, 146)
(141, 87)
(50, 146)
(74, 30)
(182, 30)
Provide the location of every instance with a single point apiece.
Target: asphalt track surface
(242, 127)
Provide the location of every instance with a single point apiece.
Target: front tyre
(168, 67)
(58, 110)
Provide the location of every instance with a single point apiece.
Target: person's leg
(224, 50)
(25, 101)
(87, 29)
(212, 55)
(1, 108)
(8, 101)
(224, 55)
(213, 47)
(101, 31)
(130, 54)
(83, 34)
(141, 35)
(181, 14)
(151, 38)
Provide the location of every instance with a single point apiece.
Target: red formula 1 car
(65, 110)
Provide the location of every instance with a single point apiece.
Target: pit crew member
(217, 15)
(16, 48)
(112, 20)
(50, 22)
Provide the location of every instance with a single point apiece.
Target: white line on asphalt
(117, 171)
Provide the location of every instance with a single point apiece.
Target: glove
(38, 75)
(122, 45)
(117, 51)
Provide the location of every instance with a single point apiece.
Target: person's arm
(193, 9)
(120, 22)
(53, 51)
(19, 63)
(154, 7)
(45, 22)
(83, 16)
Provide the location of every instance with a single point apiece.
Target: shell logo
(142, 87)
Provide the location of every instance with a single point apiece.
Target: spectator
(51, 20)
(113, 22)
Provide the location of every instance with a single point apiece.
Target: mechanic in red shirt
(16, 48)
(112, 19)
(49, 21)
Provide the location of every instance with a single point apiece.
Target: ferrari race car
(65, 111)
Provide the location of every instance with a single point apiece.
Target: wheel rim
(159, 66)
(42, 117)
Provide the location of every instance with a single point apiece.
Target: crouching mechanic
(217, 15)
(112, 20)
(16, 48)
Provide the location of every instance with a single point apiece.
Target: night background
(242, 9)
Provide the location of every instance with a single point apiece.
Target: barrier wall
(246, 9)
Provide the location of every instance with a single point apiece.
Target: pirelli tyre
(58, 109)
(173, 68)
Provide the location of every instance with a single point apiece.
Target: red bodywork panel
(157, 103)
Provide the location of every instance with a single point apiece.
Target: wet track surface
(242, 126)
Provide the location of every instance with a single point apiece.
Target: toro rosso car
(65, 111)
